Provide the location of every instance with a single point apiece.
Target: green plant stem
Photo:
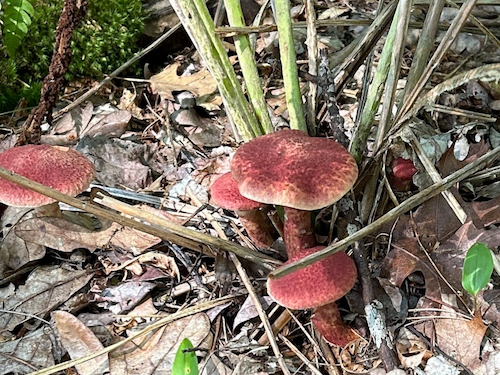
(196, 20)
(248, 67)
(358, 143)
(289, 65)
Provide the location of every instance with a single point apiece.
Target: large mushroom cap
(291, 169)
(225, 194)
(316, 285)
(60, 168)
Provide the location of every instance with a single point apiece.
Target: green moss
(104, 40)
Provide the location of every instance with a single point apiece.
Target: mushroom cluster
(290, 169)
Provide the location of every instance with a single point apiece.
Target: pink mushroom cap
(60, 168)
(225, 194)
(316, 285)
(291, 169)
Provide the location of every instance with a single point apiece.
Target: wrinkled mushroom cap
(318, 284)
(225, 194)
(291, 169)
(60, 168)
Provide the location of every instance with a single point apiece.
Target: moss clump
(106, 38)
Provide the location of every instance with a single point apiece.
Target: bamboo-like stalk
(248, 68)
(385, 123)
(312, 51)
(196, 20)
(358, 142)
(424, 46)
(289, 65)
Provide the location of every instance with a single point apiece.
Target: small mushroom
(318, 286)
(401, 175)
(225, 194)
(60, 168)
(300, 173)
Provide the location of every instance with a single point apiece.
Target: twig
(189, 238)
(160, 323)
(301, 356)
(251, 291)
(407, 205)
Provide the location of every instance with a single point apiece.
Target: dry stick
(379, 332)
(115, 73)
(185, 232)
(248, 285)
(71, 15)
(407, 205)
(301, 356)
(435, 176)
(312, 49)
(174, 233)
(443, 47)
(160, 323)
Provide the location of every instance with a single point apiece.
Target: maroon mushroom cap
(291, 169)
(318, 284)
(60, 168)
(225, 194)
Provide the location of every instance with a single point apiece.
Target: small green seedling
(477, 270)
(185, 362)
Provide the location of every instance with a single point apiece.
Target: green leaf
(478, 266)
(185, 362)
(16, 20)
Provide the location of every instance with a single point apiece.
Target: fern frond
(16, 17)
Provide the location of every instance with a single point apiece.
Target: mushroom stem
(258, 226)
(298, 232)
(328, 321)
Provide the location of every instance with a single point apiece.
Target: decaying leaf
(80, 341)
(155, 354)
(156, 259)
(45, 288)
(32, 352)
(200, 83)
(125, 296)
(461, 338)
(62, 235)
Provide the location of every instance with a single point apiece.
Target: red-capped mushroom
(318, 286)
(60, 168)
(400, 178)
(301, 173)
(225, 194)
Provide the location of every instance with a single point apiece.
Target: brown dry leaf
(15, 252)
(125, 296)
(62, 235)
(44, 289)
(200, 83)
(119, 162)
(461, 339)
(111, 125)
(67, 131)
(155, 354)
(32, 351)
(80, 341)
(159, 260)
(451, 254)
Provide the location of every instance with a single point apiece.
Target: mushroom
(225, 194)
(318, 286)
(401, 176)
(60, 168)
(301, 173)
